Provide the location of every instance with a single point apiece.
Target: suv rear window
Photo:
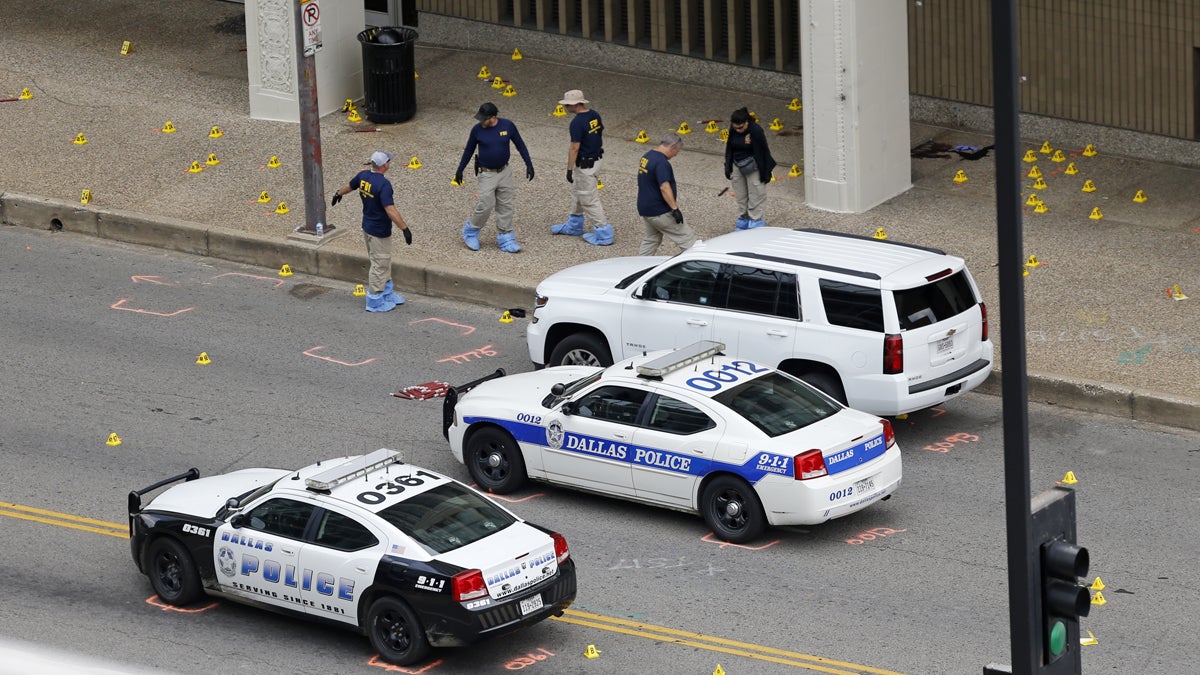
(852, 306)
(926, 305)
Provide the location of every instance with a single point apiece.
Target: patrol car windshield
(777, 404)
(447, 517)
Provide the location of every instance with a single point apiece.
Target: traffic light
(1060, 562)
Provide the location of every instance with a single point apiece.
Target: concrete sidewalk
(1102, 332)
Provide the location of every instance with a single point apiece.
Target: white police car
(411, 558)
(691, 429)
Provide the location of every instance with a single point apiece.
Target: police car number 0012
(715, 380)
(393, 487)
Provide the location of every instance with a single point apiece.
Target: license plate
(864, 486)
(531, 604)
(944, 345)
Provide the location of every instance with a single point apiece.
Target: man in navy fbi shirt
(491, 137)
(583, 164)
(657, 199)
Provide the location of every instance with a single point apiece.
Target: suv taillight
(810, 464)
(560, 547)
(893, 355)
(983, 314)
(889, 434)
(468, 585)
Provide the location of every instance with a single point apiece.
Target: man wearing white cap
(379, 214)
(583, 163)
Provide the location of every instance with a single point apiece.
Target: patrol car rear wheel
(173, 572)
(495, 462)
(732, 510)
(396, 633)
(581, 349)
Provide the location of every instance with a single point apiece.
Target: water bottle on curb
(320, 228)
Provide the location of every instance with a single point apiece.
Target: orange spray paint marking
(120, 305)
(467, 329)
(466, 357)
(391, 667)
(309, 352)
(510, 500)
(157, 602)
(872, 534)
(712, 540)
(277, 282)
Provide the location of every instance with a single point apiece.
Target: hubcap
(733, 509)
(494, 460)
(580, 357)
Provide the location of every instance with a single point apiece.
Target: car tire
(395, 632)
(581, 349)
(732, 509)
(172, 572)
(830, 385)
(494, 461)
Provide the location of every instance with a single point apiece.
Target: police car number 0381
(715, 380)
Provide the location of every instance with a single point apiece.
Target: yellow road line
(717, 644)
(120, 534)
(572, 616)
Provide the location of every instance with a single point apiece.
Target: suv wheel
(581, 349)
(830, 385)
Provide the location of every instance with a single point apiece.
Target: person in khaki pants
(491, 137)
(583, 163)
(379, 214)
(657, 200)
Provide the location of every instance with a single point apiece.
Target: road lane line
(572, 616)
(750, 650)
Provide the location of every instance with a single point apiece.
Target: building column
(854, 64)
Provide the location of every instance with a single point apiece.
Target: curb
(479, 288)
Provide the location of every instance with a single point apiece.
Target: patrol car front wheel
(173, 572)
(494, 460)
(732, 510)
(396, 633)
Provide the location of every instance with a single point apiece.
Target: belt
(484, 168)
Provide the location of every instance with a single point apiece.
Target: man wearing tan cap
(583, 163)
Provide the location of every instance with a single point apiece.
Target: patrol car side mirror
(641, 291)
(570, 408)
(237, 521)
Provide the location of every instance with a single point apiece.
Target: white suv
(882, 326)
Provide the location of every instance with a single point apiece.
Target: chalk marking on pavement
(278, 282)
(308, 352)
(118, 305)
(468, 331)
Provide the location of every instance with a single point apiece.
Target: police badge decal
(554, 435)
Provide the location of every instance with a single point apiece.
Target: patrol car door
(760, 315)
(593, 448)
(338, 564)
(673, 450)
(674, 308)
(259, 559)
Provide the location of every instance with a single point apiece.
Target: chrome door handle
(697, 322)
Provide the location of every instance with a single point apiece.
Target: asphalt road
(101, 338)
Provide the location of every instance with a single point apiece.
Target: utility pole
(306, 17)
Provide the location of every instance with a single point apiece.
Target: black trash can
(389, 76)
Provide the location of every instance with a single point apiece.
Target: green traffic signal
(1058, 638)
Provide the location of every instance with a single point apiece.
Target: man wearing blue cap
(492, 136)
(379, 214)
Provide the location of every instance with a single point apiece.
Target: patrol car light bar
(353, 468)
(680, 358)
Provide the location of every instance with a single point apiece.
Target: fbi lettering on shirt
(364, 188)
(642, 168)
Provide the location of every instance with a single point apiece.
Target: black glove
(728, 174)
(408, 236)
(458, 178)
(570, 176)
(336, 198)
(678, 216)
(529, 172)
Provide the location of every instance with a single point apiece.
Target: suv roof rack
(353, 468)
(680, 358)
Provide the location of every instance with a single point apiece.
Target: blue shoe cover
(389, 295)
(507, 241)
(573, 226)
(378, 302)
(742, 223)
(470, 236)
(756, 223)
(601, 235)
